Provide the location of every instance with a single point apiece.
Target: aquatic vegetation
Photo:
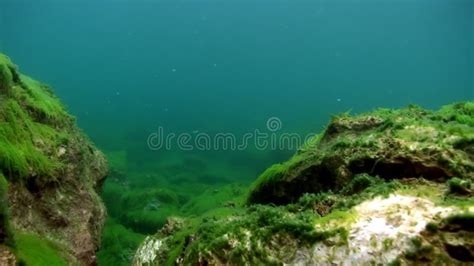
(33, 126)
(446, 241)
(52, 171)
(6, 232)
(374, 180)
(459, 186)
(323, 194)
(243, 237)
(118, 160)
(35, 251)
(42, 102)
(147, 221)
(19, 155)
(464, 221)
(214, 198)
(120, 242)
(391, 144)
(141, 203)
(462, 113)
(271, 234)
(7, 74)
(141, 210)
(431, 227)
(359, 183)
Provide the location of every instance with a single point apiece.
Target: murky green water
(218, 71)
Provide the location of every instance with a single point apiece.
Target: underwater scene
(236, 132)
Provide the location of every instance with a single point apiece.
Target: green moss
(6, 233)
(432, 227)
(147, 221)
(344, 200)
(425, 189)
(33, 250)
(459, 186)
(342, 143)
(311, 142)
(337, 216)
(361, 144)
(121, 244)
(33, 123)
(420, 251)
(416, 241)
(251, 228)
(27, 135)
(148, 199)
(359, 183)
(20, 156)
(461, 112)
(463, 220)
(143, 210)
(118, 160)
(232, 195)
(41, 100)
(273, 174)
(356, 159)
(6, 75)
(396, 262)
(462, 203)
(256, 225)
(387, 244)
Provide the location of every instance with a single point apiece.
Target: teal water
(126, 68)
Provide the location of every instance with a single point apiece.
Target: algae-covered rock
(53, 174)
(391, 144)
(376, 188)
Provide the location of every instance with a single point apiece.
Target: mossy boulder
(371, 189)
(391, 144)
(53, 171)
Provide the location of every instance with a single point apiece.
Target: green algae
(459, 186)
(461, 112)
(241, 235)
(48, 164)
(445, 241)
(6, 74)
(29, 119)
(143, 208)
(310, 197)
(249, 231)
(46, 106)
(6, 232)
(120, 242)
(33, 250)
(436, 145)
(432, 227)
(117, 160)
(215, 198)
(146, 210)
(360, 189)
(463, 220)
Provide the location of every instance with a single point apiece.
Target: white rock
(383, 230)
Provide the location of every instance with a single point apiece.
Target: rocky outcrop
(53, 171)
(391, 144)
(390, 186)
